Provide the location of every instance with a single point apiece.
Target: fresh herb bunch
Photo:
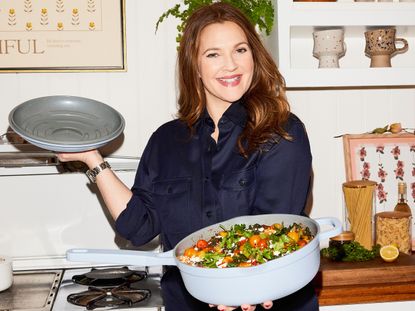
(353, 251)
(356, 252)
(259, 12)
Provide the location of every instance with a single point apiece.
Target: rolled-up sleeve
(139, 222)
(284, 173)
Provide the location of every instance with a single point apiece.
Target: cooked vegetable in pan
(246, 246)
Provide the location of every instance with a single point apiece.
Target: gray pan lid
(66, 123)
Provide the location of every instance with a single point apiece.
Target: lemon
(389, 253)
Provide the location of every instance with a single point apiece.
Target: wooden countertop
(366, 282)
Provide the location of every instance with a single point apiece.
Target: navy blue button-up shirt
(186, 182)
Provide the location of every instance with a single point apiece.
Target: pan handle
(125, 257)
(336, 230)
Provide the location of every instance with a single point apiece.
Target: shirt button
(242, 182)
(209, 214)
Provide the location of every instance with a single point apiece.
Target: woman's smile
(230, 81)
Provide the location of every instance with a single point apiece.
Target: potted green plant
(259, 12)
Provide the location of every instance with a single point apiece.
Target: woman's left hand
(266, 305)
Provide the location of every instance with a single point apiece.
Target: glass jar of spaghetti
(359, 210)
(394, 228)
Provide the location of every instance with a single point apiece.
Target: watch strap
(93, 173)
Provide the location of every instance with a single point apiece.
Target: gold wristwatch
(92, 174)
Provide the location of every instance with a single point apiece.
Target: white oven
(46, 208)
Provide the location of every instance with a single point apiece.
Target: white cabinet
(292, 42)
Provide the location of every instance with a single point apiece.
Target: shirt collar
(236, 113)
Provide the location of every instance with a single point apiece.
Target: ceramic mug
(329, 46)
(381, 46)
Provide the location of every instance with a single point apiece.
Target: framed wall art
(386, 159)
(60, 35)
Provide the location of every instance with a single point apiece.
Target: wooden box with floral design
(386, 159)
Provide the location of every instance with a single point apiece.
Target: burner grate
(109, 277)
(118, 296)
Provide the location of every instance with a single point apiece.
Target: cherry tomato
(293, 235)
(190, 252)
(254, 240)
(263, 243)
(242, 241)
(301, 243)
(201, 244)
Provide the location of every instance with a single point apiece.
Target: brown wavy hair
(265, 100)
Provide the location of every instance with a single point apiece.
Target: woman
(234, 150)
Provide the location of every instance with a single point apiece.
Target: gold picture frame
(62, 36)
(384, 158)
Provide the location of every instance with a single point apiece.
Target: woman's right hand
(92, 158)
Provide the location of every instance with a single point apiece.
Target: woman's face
(225, 63)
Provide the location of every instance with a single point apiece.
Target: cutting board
(364, 282)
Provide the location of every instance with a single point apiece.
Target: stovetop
(47, 290)
(67, 287)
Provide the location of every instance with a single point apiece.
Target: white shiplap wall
(328, 113)
(145, 95)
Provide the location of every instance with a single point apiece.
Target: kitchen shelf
(292, 44)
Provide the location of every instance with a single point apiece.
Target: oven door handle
(126, 257)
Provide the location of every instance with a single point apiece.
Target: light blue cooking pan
(233, 286)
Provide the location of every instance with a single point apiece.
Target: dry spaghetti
(358, 196)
